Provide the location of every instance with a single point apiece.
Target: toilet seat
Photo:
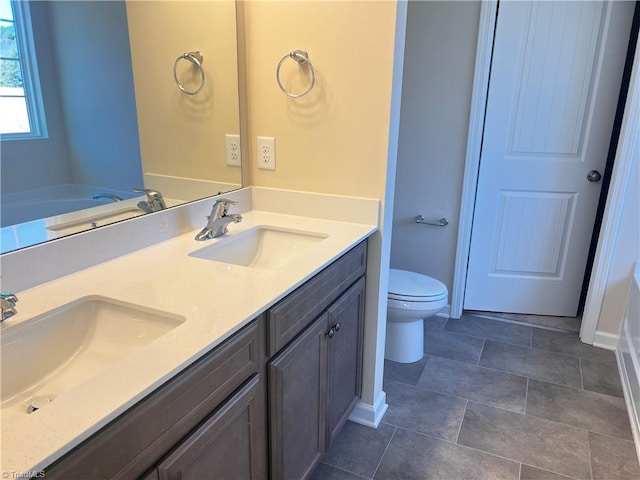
(408, 286)
(411, 298)
(422, 304)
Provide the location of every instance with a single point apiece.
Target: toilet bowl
(412, 297)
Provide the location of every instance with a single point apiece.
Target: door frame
(618, 186)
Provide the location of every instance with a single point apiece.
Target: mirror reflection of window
(21, 111)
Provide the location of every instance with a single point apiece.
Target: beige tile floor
(494, 400)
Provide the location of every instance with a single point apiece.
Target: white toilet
(412, 297)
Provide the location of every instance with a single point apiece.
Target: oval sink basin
(260, 247)
(58, 350)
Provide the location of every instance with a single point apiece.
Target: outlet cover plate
(266, 153)
(234, 156)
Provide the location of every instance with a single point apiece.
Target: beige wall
(342, 137)
(335, 139)
(438, 77)
(182, 135)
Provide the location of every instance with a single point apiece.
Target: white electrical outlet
(233, 150)
(266, 152)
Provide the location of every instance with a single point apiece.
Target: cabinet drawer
(143, 434)
(291, 315)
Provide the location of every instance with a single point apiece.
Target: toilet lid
(411, 284)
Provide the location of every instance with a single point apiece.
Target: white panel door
(555, 79)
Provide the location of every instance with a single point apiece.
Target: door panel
(531, 234)
(555, 79)
(558, 54)
(346, 316)
(228, 445)
(298, 406)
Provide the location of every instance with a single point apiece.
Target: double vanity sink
(60, 349)
(86, 347)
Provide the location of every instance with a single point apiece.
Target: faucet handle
(154, 202)
(8, 305)
(227, 201)
(151, 194)
(10, 298)
(221, 207)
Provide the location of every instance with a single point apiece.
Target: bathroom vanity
(254, 381)
(212, 420)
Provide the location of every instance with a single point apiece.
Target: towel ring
(196, 58)
(302, 57)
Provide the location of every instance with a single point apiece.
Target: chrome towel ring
(196, 58)
(302, 57)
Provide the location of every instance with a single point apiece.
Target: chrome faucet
(219, 220)
(8, 305)
(115, 198)
(154, 202)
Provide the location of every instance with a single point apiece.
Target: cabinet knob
(331, 332)
(337, 326)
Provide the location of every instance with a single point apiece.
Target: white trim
(444, 313)
(370, 415)
(484, 50)
(606, 340)
(628, 148)
(629, 378)
(30, 75)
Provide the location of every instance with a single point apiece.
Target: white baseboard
(606, 340)
(370, 415)
(630, 378)
(445, 312)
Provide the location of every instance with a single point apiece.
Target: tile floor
(567, 324)
(494, 400)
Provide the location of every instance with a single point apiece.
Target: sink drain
(38, 402)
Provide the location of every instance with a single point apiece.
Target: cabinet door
(231, 444)
(346, 319)
(152, 475)
(297, 394)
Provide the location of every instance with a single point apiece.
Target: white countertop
(216, 299)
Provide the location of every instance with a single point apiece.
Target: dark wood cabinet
(314, 383)
(228, 445)
(297, 395)
(234, 412)
(344, 373)
(133, 443)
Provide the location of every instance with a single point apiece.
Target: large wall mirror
(106, 80)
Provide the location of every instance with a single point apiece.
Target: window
(21, 111)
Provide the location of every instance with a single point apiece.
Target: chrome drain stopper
(38, 402)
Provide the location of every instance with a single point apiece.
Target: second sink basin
(260, 247)
(58, 350)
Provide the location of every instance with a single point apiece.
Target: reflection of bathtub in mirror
(21, 207)
(52, 212)
(47, 213)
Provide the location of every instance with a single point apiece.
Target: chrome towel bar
(443, 222)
